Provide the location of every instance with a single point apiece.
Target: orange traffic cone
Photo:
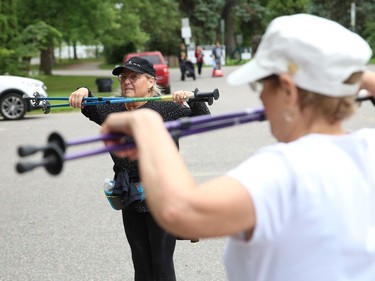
(217, 73)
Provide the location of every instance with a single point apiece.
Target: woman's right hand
(368, 82)
(76, 98)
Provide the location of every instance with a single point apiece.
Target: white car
(12, 90)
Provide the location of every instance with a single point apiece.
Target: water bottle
(108, 186)
(140, 190)
(114, 200)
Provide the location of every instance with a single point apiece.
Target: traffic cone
(217, 73)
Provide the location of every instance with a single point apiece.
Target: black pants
(152, 248)
(199, 65)
(217, 63)
(183, 70)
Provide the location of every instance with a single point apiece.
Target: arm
(219, 207)
(94, 113)
(76, 97)
(197, 108)
(368, 82)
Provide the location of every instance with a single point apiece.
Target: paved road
(62, 228)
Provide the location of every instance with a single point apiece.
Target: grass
(233, 62)
(63, 86)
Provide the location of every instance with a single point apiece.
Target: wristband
(90, 93)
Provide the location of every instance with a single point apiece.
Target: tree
(287, 7)
(340, 11)
(250, 19)
(205, 21)
(366, 22)
(82, 21)
(227, 15)
(9, 26)
(142, 25)
(100, 18)
(123, 26)
(125, 35)
(161, 20)
(40, 36)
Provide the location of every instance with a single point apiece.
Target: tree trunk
(75, 50)
(229, 39)
(46, 61)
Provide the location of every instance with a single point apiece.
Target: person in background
(300, 209)
(199, 54)
(152, 247)
(217, 53)
(182, 57)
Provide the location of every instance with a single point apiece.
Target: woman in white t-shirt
(302, 209)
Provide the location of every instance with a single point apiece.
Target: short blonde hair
(155, 89)
(333, 109)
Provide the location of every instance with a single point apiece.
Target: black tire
(167, 90)
(12, 106)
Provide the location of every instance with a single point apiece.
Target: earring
(288, 116)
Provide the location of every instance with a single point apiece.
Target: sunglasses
(131, 76)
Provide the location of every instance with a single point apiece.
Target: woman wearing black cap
(152, 248)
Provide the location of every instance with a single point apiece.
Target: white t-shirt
(315, 211)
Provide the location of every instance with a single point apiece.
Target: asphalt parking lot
(62, 227)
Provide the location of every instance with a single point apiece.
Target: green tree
(125, 35)
(122, 26)
(8, 32)
(337, 10)
(205, 21)
(39, 37)
(161, 20)
(287, 7)
(365, 21)
(83, 21)
(142, 25)
(340, 11)
(86, 22)
(250, 19)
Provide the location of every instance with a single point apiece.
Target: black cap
(136, 64)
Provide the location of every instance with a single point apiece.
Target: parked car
(161, 68)
(12, 90)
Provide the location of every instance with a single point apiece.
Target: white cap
(320, 54)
